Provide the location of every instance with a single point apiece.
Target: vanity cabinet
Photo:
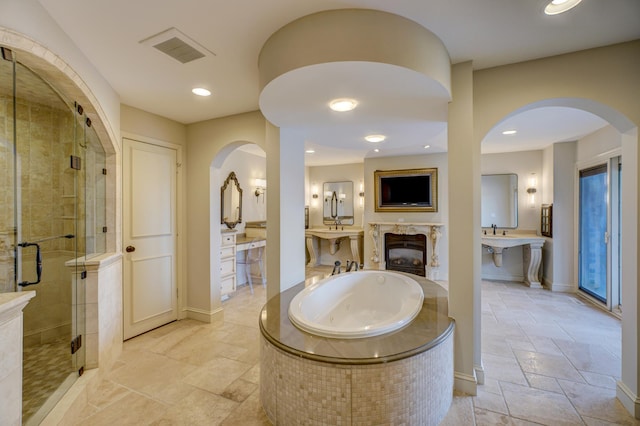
(228, 264)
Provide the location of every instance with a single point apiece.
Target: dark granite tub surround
(429, 327)
(402, 377)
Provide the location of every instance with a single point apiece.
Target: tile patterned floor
(45, 367)
(549, 359)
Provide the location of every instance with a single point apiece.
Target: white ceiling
(488, 32)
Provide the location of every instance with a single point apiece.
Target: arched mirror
(231, 201)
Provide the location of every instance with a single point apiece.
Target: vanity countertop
(329, 234)
(243, 239)
(511, 240)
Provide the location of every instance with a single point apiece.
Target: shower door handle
(38, 264)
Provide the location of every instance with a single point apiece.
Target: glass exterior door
(593, 232)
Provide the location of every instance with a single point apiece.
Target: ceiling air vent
(178, 45)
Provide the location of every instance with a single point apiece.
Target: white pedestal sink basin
(531, 252)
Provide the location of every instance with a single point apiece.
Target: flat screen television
(406, 190)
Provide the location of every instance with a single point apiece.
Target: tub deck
(427, 330)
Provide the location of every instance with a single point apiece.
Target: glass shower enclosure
(52, 214)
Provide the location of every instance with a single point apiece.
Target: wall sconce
(361, 194)
(314, 196)
(531, 190)
(261, 187)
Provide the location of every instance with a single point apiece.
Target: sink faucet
(494, 229)
(350, 265)
(336, 268)
(337, 222)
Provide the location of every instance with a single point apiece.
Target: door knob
(130, 249)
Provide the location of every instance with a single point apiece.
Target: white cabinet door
(149, 207)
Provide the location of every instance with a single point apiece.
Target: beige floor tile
(548, 365)
(239, 390)
(598, 403)
(489, 418)
(107, 393)
(198, 408)
(539, 406)
(490, 401)
(156, 376)
(133, 410)
(249, 413)
(600, 380)
(543, 382)
(591, 357)
(217, 374)
(503, 369)
(460, 413)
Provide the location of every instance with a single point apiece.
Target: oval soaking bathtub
(357, 304)
(403, 377)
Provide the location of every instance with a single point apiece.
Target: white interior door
(149, 204)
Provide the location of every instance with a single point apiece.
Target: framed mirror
(338, 203)
(231, 202)
(499, 200)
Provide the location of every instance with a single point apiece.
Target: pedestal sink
(314, 235)
(531, 252)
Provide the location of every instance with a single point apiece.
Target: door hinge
(104, 171)
(104, 229)
(76, 162)
(83, 275)
(76, 344)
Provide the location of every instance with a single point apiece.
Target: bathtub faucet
(350, 265)
(336, 268)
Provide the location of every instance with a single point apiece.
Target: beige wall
(138, 122)
(210, 142)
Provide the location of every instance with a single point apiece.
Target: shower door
(40, 233)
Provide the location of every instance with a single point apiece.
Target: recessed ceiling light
(310, 151)
(509, 132)
(559, 6)
(427, 146)
(376, 150)
(375, 138)
(343, 104)
(201, 91)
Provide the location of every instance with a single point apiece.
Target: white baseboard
(465, 383)
(479, 371)
(628, 399)
(498, 277)
(562, 288)
(205, 316)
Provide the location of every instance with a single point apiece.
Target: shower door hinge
(76, 162)
(76, 344)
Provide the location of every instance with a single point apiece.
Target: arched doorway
(245, 163)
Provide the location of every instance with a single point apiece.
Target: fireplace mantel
(433, 232)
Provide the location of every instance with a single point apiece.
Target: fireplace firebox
(406, 253)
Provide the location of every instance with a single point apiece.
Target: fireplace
(406, 253)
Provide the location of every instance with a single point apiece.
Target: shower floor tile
(45, 367)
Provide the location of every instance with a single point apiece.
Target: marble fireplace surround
(433, 232)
